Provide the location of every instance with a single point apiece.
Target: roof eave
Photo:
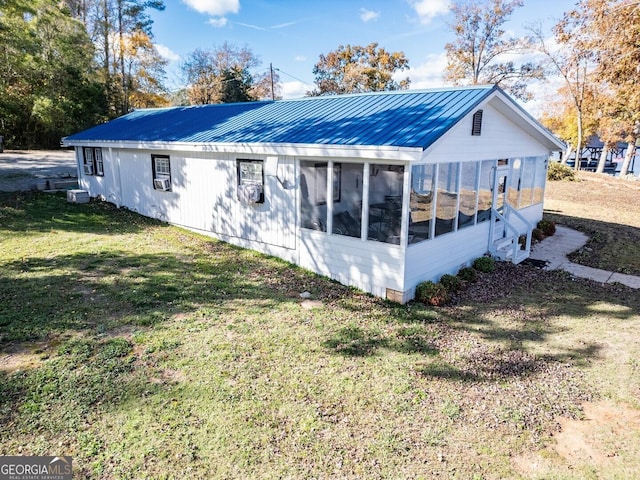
(390, 152)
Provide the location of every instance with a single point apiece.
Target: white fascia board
(514, 112)
(407, 154)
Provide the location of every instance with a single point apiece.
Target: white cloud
(368, 15)
(218, 22)
(166, 53)
(300, 58)
(294, 89)
(427, 10)
(214, 7)
(429, 74)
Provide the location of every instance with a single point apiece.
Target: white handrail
(497, 215)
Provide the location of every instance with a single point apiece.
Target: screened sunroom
(365, 201)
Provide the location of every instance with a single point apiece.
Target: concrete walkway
(554, 251)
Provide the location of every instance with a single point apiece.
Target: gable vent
(476, 128)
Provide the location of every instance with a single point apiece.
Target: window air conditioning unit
(250, 193)
(162, 184)
(88, 169)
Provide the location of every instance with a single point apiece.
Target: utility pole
(273, 95)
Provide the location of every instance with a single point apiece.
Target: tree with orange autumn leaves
(597, 53)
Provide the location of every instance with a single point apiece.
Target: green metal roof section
(411, 118)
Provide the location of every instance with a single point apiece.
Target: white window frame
(92, 163)
(252, 175)
(161, 169)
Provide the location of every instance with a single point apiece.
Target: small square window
(250, 181)
(161, 166)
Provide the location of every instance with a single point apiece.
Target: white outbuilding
(379, 190)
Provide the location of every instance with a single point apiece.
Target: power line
(295, 78)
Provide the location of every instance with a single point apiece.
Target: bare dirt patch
(597, 438)
(600, 441)
(22, 356)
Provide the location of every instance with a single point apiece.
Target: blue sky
(291, 34)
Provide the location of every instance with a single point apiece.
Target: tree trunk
(567, 153)
(631, 152)
(106, 32)
(121, 40)
(603, 159)
(579, 144)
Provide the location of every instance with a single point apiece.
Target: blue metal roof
(400, 118)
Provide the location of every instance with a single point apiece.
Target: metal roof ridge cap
(390, 92)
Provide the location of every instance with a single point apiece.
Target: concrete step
(506, 253)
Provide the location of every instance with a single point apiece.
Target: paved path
(554, 251)
(22, 169)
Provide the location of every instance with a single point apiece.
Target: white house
(379, 191)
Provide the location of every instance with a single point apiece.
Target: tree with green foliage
(114, 25)
(357, 69)
(480, 53)
(46, 84)
(134, 24)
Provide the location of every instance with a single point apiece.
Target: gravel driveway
(25, 169)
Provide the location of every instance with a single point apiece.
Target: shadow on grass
(515, 311)
(354, 341)
(89, 292)
(84, 377)
(72, 306)
(85, 292)
(489, 336)
(44, 212)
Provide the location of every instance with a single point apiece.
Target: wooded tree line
(71, 64)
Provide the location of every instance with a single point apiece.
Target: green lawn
(145, 351)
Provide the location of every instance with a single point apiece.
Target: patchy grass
(145, 351)
(607, 209)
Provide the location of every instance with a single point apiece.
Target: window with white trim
(161, 167)
(92, 161)
(250, 181)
